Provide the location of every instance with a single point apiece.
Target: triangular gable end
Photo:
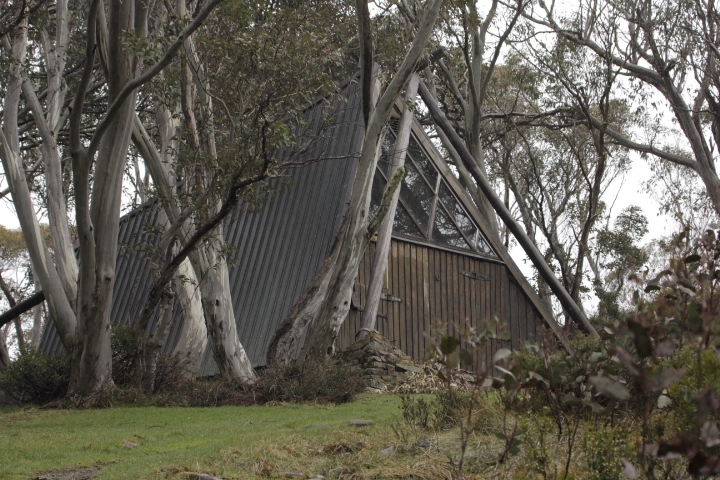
(440, 221)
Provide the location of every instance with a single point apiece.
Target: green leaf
(663, 401)
(465, 357)
(501, 436)
(570, 399)
(453, 359)
(449, 344)
(596, 407)
(500, 354)
(643, 345)
(610, 388)
(514, 450)
(665, 378)
(694, 319)
(651, 287)
(692, 258)
(595, 357)
(508, 372)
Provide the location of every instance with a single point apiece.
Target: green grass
(263, 441)
(230, 442)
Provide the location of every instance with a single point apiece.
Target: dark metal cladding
(277, 249)
(133, 272)
(280, 248)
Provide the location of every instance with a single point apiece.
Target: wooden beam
(22, 307)
(525, 242)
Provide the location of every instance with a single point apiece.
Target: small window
(457, 212)
(422, 161)
(428, 209)
(404, 224)
(445, 231)
(416, 195)
(387, 147)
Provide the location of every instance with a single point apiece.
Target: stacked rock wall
(380, 361)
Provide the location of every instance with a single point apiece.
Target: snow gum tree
(324, 305)
(78, 294)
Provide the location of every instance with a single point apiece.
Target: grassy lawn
(229, 442)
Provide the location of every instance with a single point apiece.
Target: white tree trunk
(214, 285)
(352, 237)
(384, 237)
(229, 354)
(193, 339)
(98, 228)
(61, 306)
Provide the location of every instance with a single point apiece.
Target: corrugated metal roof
(278, 249)
(133, 273)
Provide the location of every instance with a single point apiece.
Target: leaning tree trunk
(523, 239)
(331, 308)
(193, 338)
(286, 342)
(4, 356)
(58, 301)
(384, 237)
(229, 354)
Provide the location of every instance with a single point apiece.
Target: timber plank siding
(433, 291)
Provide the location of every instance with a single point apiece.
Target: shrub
(310, 382)
(122, 343)
(36, 378)
(418, 411)
(604, 450)
(703, 373)
(565, 375)
(170, 374)
(441, 411)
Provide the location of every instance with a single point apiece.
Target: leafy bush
(36, 378)
(604, 450)
(310, 382)
(564, 375)
(418, 411)
(702, 372)
(122, 343)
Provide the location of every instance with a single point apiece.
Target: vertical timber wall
(426, 287)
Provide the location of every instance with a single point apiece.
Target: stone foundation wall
(380, 361)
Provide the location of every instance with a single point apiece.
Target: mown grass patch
(229, 442)
(268, 441)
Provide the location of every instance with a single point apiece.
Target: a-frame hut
(445, 265)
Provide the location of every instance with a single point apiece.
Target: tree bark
(352, 236)
(384, 237)
(286, 342)
(530, 249)
(61, 307)
(98, 220)
(4, 355)
(230, 356)
(193, 338)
